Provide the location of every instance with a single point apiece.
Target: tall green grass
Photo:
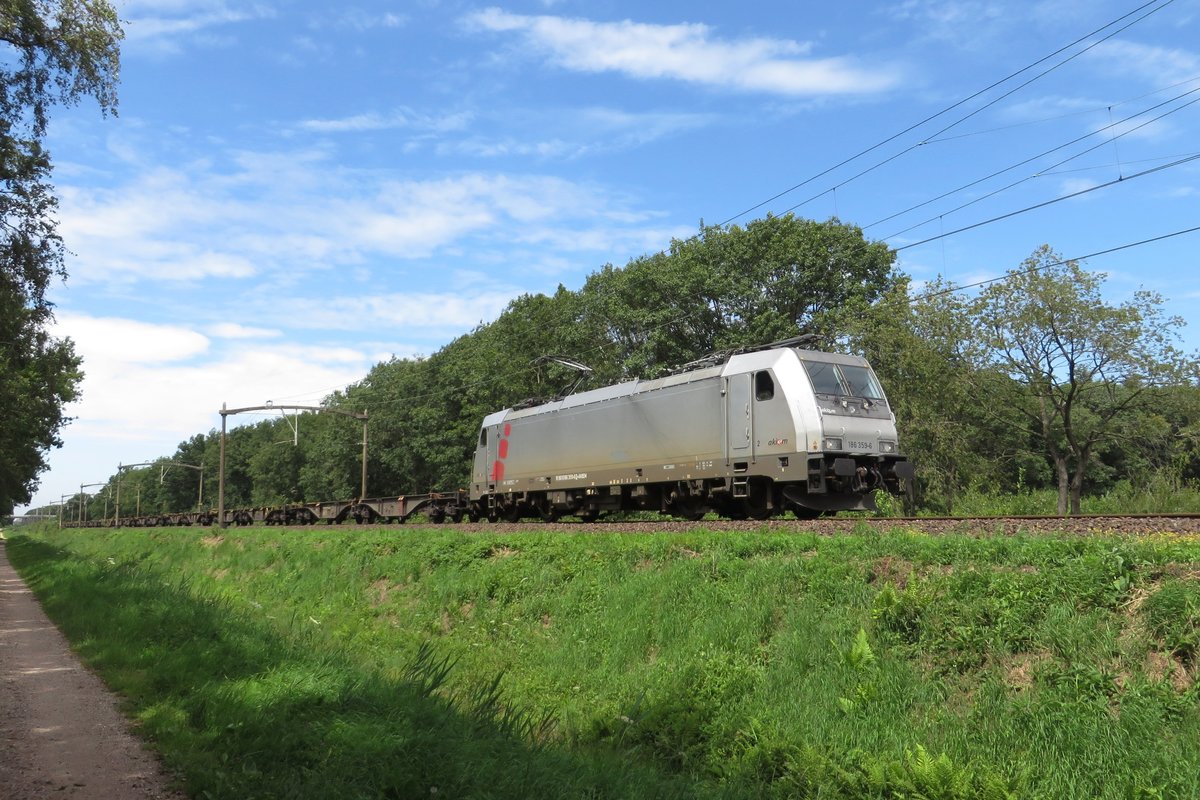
(418, 662)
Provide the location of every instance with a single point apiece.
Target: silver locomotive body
(761, 433)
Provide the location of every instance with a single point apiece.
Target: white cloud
(362, 21)
(133, 7)
(1144, 128)
(112, 340)
(1074, 185)
(1158, 65)
(278, 219)
(652, 124)
(163, 27)
(401, 118)
(421, 313)
(573, 133)
(147, 383)
(958, 21)
(141, 230)
(687, 52)
(1050, 107)
(232, 330)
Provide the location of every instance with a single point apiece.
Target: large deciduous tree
(51, 52)
(1079, 366)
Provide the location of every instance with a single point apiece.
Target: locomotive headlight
(833, 443)
(887, 447)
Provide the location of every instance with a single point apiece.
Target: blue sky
(294, 191)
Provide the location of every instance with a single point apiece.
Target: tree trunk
(1064, 481)
(1081, 464)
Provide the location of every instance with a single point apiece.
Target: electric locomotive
(746, 434)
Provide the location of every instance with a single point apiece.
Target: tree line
(1032, 381)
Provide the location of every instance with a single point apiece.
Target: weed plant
(425, 662)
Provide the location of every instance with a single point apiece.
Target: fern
(859, 656)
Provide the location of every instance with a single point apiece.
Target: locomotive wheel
(758, 504)
(588, 516)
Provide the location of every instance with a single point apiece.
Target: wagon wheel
(588, 516)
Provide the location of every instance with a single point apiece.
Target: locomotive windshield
(843, 380)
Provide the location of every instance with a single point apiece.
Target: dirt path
(61, 735)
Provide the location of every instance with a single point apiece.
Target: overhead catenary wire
(1159, 6)
(1094, 167)
(1059, 199)
(1041, 267)
(1057, 117)
(1110, 127)
(995, 192)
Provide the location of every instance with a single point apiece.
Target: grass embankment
(364, 663)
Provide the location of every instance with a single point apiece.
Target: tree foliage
(51, 52)
(732, 286)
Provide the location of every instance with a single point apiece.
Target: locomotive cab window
(483, 437)
(764, 386)
(825, 378)
(843, 380)
(862, 382)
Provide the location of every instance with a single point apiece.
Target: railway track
(1133, 524)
